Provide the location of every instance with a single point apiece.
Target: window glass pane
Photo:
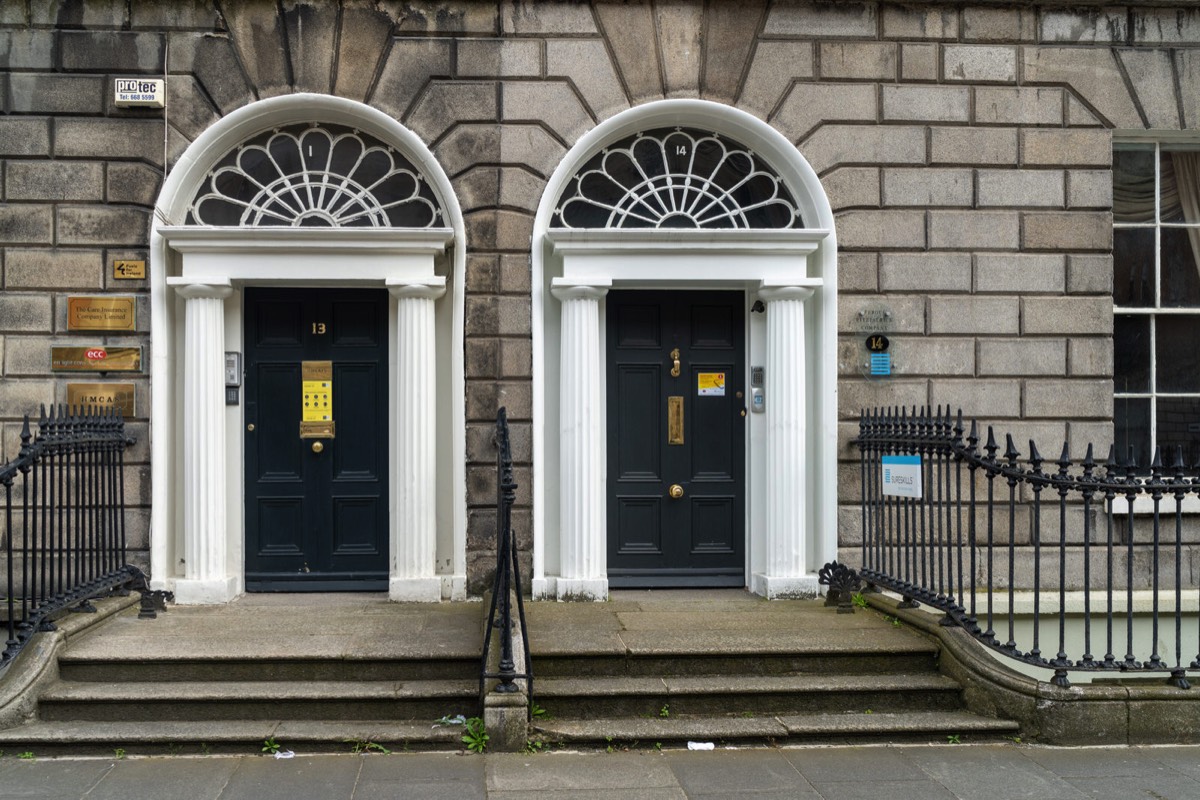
(1176, 347)
(1133, 184)
(1179, 182)
(1131, 354)
(1179, 426)
(1131, 426)
(1180, 274)
(1133, 267)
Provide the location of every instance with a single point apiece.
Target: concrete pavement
(970, 772)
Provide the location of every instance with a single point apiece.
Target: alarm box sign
(96, 358)
(139, 93)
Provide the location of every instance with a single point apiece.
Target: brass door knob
(318, 447)
(676, 491)
(250, 427)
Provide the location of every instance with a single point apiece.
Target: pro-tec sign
(902, 476)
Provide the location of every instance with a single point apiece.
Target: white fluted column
(583, 536)
(414, 521)
(786, 542)
(207, 577)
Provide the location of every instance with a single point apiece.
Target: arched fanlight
(310, 175)
(676, 178)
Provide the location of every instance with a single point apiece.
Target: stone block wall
(965, 147)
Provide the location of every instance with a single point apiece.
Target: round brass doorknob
(676, 491)
(318, 447)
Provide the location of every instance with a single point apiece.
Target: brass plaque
(317, 430)
(96, 359)
(675, 419)
(101, 314)
(103, 395)
(317, 391)
(129, 270)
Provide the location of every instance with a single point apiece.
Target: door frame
(796, 268)
(190, 264)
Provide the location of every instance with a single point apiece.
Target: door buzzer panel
(316, 410)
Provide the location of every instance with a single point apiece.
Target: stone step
(250, 700)
(224, 736)
(914, 726)
(592, 698)
(74, 667)
(827, 660)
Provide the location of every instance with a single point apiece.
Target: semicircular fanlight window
(676, 178)
(311, 175)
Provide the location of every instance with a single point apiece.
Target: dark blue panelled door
(316, 508)
(676, 438)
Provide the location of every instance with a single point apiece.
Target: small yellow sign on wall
(101, 314)
(129, 270)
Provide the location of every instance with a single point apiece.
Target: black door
(316, 499)
(676, 446)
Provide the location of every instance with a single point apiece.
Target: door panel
(316, 518)
(697, 539)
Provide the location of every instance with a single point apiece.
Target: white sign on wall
(902, 476)
(139, 92)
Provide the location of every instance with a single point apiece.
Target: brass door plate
(317, 430)
(675, 419)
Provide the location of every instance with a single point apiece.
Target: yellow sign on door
(710, 384)
(317, 391)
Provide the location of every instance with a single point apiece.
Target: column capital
(771, 293)
(201, 288)
(429, 289)
(580, 290)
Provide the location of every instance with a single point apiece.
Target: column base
(215, 591)
(454, 587)
(415, 590)
(543, 588)
(581, 589)
(781, 588)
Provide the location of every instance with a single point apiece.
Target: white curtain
(1186, 187)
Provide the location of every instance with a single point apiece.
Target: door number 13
(318, 328)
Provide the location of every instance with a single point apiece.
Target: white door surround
(197, 272)
(791, 448)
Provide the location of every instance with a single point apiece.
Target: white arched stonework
(791, 516)
(203, 269)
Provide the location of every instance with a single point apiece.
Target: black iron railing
(987, 522)
(64, 522)
(506, 588)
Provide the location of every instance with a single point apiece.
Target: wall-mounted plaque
(102, 395)
(139, 93)
(101, 314)
(96, 359)
(129, 270)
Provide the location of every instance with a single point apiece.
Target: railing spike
(1064, 460)
(1156, 461)
(1035, 458)
(1010, 450)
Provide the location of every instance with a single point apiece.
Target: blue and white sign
(902, 476)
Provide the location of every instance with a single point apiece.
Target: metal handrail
(506, 587)
(957, 551)
(70, 536)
